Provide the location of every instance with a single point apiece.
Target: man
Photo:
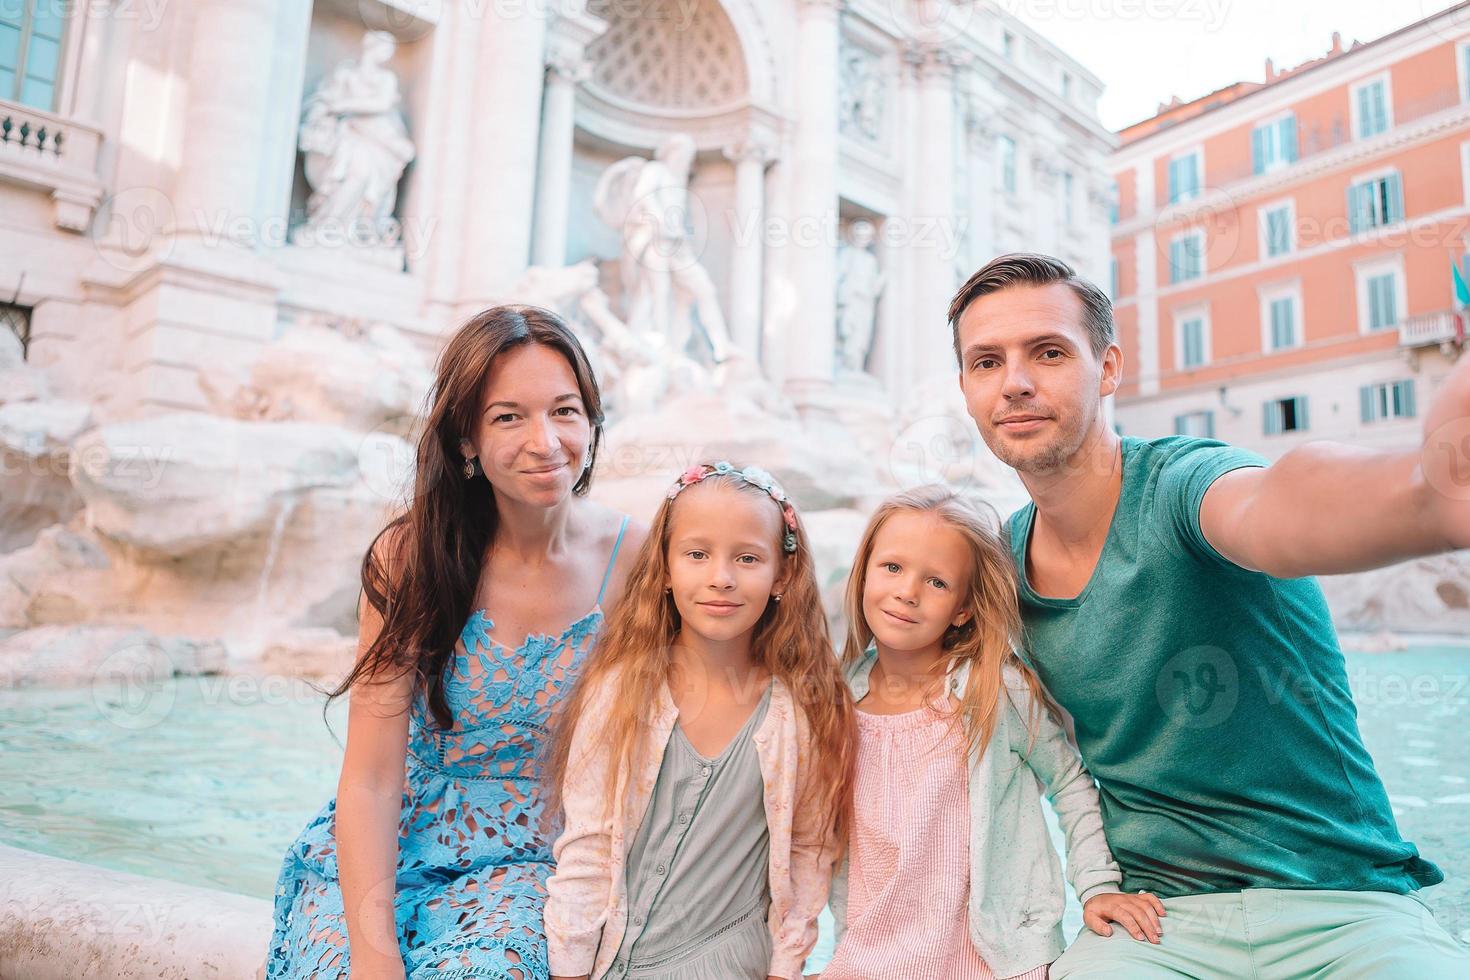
(1167, 609)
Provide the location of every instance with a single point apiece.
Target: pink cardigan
(586, 904)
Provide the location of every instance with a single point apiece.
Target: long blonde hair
(790, 640)
(986, 641)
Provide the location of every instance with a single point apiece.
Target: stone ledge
(60, 920)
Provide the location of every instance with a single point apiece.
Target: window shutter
(1394, 199)
(1408, 397)
(1289, 139)
(1365, 402)
(1273, 418)
(1179, 425)
(1301, 414)
(1258, 149)
(1357, 194)
(1209, 425)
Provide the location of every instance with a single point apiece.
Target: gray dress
(698, 882)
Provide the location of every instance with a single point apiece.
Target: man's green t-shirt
(1210, 702)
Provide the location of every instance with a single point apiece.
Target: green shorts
(1277, 934)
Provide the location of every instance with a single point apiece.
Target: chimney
(1270, 71)
(1336, 43)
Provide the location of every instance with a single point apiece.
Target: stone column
(227, 121)
(748, 242)
(564, 70)
(980, 133)
(813, 234)
(500, 188)
(936, 226)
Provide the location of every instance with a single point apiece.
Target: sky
(1146, 51)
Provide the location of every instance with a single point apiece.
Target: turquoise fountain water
(206, 779)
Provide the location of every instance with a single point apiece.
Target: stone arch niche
(699, 67)
(671, 57)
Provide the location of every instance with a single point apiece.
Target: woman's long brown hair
(986, 640)
(790, 640)
(422, 570)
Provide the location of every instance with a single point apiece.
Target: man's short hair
(1034, 269)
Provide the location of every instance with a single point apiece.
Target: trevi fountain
(228, 296)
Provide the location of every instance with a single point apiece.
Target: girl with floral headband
(703, 761)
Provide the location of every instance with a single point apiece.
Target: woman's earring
(472, 468)
(777, 596)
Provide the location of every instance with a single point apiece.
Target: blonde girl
(704, 759)
(950, 870)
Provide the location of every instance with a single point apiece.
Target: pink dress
(909, 857)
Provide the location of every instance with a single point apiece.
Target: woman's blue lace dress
(473, 851)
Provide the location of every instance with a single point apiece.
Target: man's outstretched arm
(1326, 508)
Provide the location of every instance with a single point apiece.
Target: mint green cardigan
(1016, 894)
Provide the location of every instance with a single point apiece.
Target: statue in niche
(664, 285)
(356, 147)
(859, 284)
(862, 95)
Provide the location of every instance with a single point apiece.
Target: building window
(1462, 69)
(1201, 425)
(1382, 301)
(1067, 85)
(1380, 294)
(1113, 205)
(1191, 340)
(1069, 191)
(1371, 114)
(1286, 415)
(1007, 150)
(17, 319)
(1276, 230)
(30, 51)
(1184, 177)
(1282, 322)
(1187, 257)
(1391, 400)
(1008, 45)
(1274, 144)
(1113, 281)
(1375, 202)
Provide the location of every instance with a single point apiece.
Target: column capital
(931, 62)
(567, 64)
(750, 149)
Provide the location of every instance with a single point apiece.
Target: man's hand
(1139, 914)
(1445, 458)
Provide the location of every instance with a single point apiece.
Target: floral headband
(753, 475)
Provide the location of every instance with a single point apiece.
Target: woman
(479, 605)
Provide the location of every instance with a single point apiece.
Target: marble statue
(664, 285)
(859, 284)
(356, 146)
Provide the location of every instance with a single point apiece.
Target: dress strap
(612, 559)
